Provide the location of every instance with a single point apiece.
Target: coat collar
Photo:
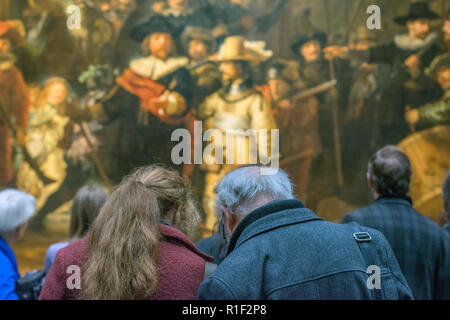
(273, 215)
(407, 201)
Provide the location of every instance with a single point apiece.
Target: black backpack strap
(364, 241)
(30, 286)
(209, 269)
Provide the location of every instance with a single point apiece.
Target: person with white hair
(16, 207)
(280, 250)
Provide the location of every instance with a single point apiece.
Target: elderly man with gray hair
(278, 249)
(16, 208)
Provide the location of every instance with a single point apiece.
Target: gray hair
(16, 207)
(242, 187)
(446, 195)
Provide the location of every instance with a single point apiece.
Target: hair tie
(153, 186)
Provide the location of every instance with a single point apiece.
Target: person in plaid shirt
(446, 195)
(422, 247)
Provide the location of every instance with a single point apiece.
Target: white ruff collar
(406, 42)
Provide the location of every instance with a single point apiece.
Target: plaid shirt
(447, 227)
(422, 248)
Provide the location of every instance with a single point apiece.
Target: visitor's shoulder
(74, 253)
(433, 228)
(177, 243)
(54, 248)
(359, 213)
(6, 265)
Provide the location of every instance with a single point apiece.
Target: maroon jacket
(181, 267)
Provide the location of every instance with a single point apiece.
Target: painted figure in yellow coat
(47, 135)
(235, 106)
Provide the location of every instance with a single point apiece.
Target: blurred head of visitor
(85, 208)
(389, 173)
(16, 208)
(246, 189)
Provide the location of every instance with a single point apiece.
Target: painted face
(160, 44)
(446, 30)
(5, 45)
(311, 50)
(197, 50)
(278, 88)
(419, 28)
(230, 71)
(57, 93)
(105, 6)
(443, 78)
(178, 5)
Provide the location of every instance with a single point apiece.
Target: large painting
(92, 89)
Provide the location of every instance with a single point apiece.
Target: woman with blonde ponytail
(137, 247)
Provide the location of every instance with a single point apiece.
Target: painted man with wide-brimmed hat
(237, 105)
(13, 97)
(409, 54)
(152, 99)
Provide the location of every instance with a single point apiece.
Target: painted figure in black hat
(438, 112)
(297, 121)
(152, 98)
(409, 54)
(125, 48)
(314, 71)
(198, 44)
(184, 13)
(358, 125)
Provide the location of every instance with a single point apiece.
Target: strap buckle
(362, 236)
